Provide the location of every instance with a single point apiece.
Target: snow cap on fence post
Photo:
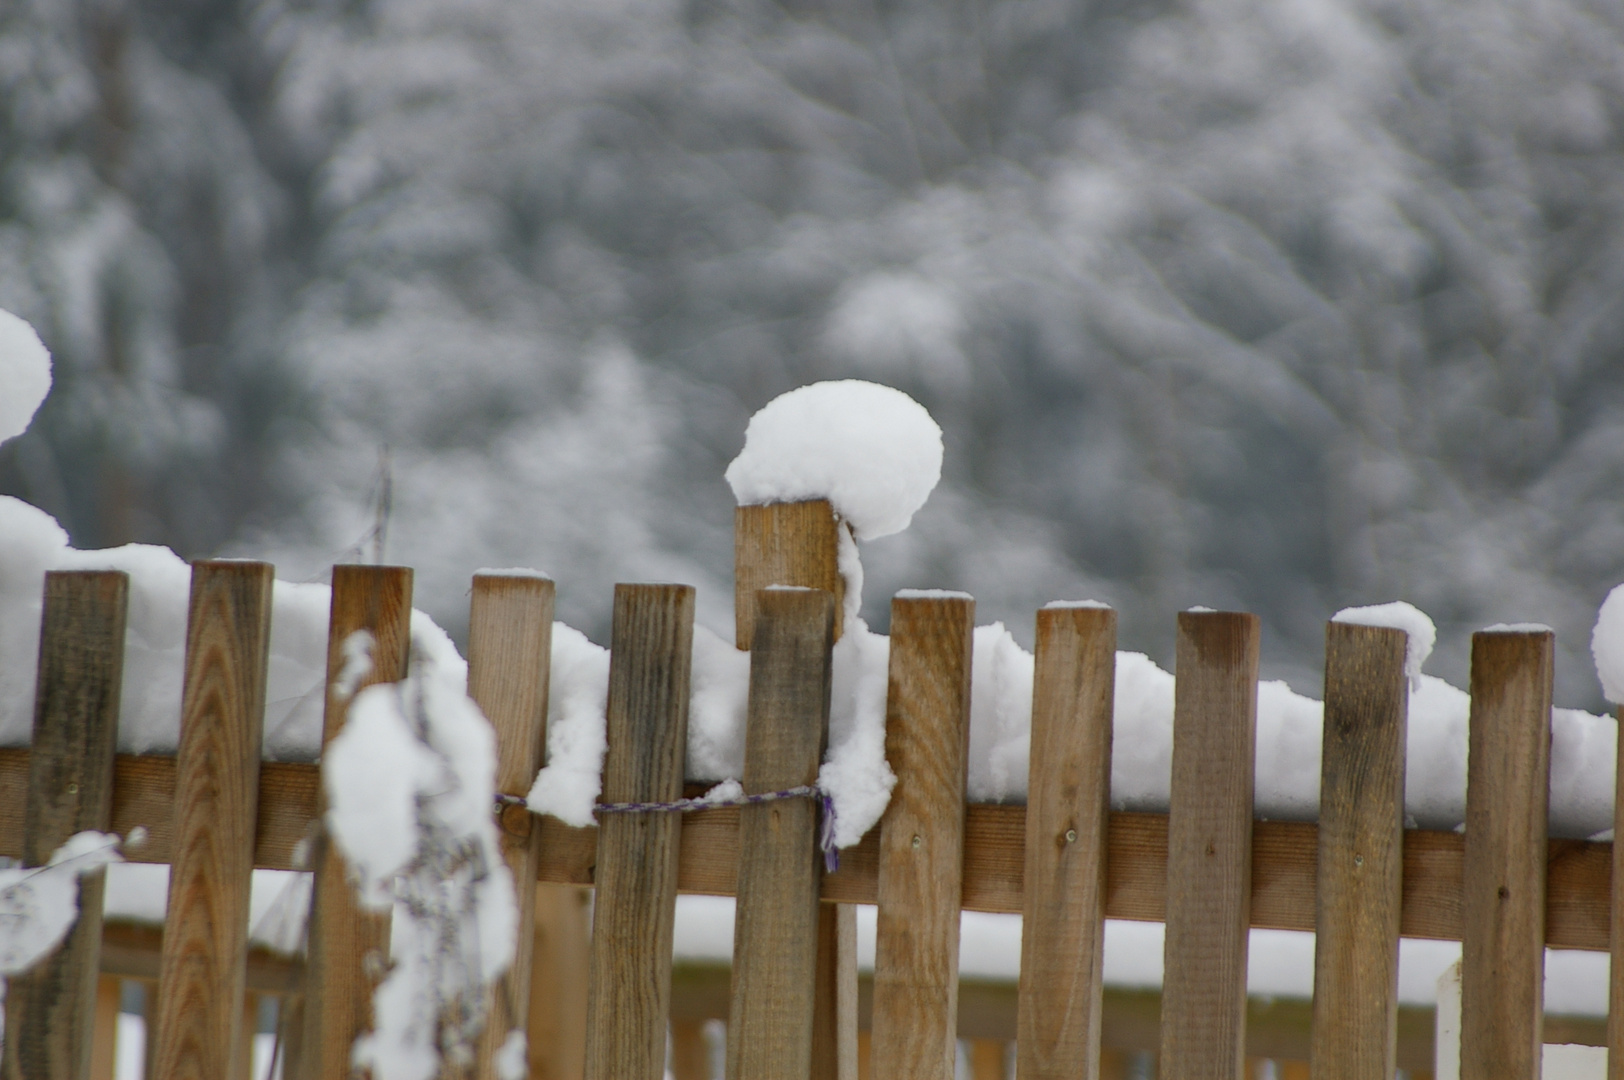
(1607, 646)
(25, 372)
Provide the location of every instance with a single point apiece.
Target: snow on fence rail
(1064, 860)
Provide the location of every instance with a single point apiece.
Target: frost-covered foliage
(410, 782)
(39, 905)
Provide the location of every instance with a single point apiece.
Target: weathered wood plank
(510, 643)
(1068, 813)
(222, 720)
(1361, 854)
(1209, 847)
(794, 543)
(69, 788)
(834, 1021)
(775, 938)
(349, 948)
(559, 966)
(921, 849)
(1507, 793)
(629, 994)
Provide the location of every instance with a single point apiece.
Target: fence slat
(921, 847)
(510, 642)
(834, 1021)
(50, 1010)
(222, 717)
(1361, 854)
(1507, 794)
(794, 543)
(349, 948)
(1209, 847)
(775, 938)
(1068, 808)
(629, 992)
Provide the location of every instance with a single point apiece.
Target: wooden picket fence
(1064, 861)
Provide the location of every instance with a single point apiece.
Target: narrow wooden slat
(834, 1025)
(104, 1041)
(795, 543)
(50, 1010)
(222, 720)
(690, 1051)
(1507, 795)
(510, 642)
(1209, 847)
(1068, 813)
(558, 977)
(775, 938)
(249, 1027)
(927, 727)
(628, 997)
(349, 948)
(1361, 854)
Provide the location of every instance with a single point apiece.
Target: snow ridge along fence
(1064, 861)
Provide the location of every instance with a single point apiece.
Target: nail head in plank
(921, 847)
(1361, 854)
(790, 543)
(1209, 852)
(1503, 893)
(629, 991)
(69, 788)
(1068, 811)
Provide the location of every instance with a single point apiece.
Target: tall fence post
(629, 993)
(775, 942)
(204, 958)
(1507, 795)
(1209, 847)
(510, 641)
(50, 1010)
(1068, 811)
(348, 948)
(1361, 854)
(927, 729)
(798, 543)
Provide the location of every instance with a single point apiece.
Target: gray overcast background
(1276, 304)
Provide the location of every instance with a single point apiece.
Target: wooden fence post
(1209, 847)
(927, 729)
(510, 642)
(204, 953)
(629, 992)
(1068, 809)
(798, 543)
(1361, 854)
(50, 1010)
(1507, 796)
(349, 948)
(775, 939)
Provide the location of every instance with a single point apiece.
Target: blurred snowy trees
(1278, 304)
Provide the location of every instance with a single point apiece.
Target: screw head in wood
(73, 789)
(1071, 836)
(918, 842)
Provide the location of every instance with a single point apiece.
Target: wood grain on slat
(775, 930)
(510, 641)
(628, 997)
(222, 720)
(50, 1010)
(921, 850)
(1068, 812)
(1361, 853)
(1209, 845)
(349, 948)
(793, 543)
(1507, 793)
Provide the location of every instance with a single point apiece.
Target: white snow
(1607, 645)
(1398, 615)
(1517, 628)
(1089, 605)
(1000, 714)
(278, 903)
(38, 906)
(25, 373)
(932, 594)
(568, 785)
(872, 451)
(855, 772)
(514, 571)
(512, 1060)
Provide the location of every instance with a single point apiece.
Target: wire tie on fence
(826, 807)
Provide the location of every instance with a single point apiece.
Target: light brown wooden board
(1507, 789)
(775, 930)
(510, 636)
(1067, 836)
(629, 992)
(349, 948)
(50, 1011)
(834, 1031)
(560, 958)
(794, 543)
(201, 971)
(1209, 847)
(1361, 853)
(921, 846)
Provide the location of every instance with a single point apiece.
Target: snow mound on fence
(25, 372)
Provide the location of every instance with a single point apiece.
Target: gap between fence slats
(1507, 788)
(201, 968)
(68, 788)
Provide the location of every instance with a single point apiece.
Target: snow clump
(25, 372)
(1607, 646)
(39, 905)
(1399, 616)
